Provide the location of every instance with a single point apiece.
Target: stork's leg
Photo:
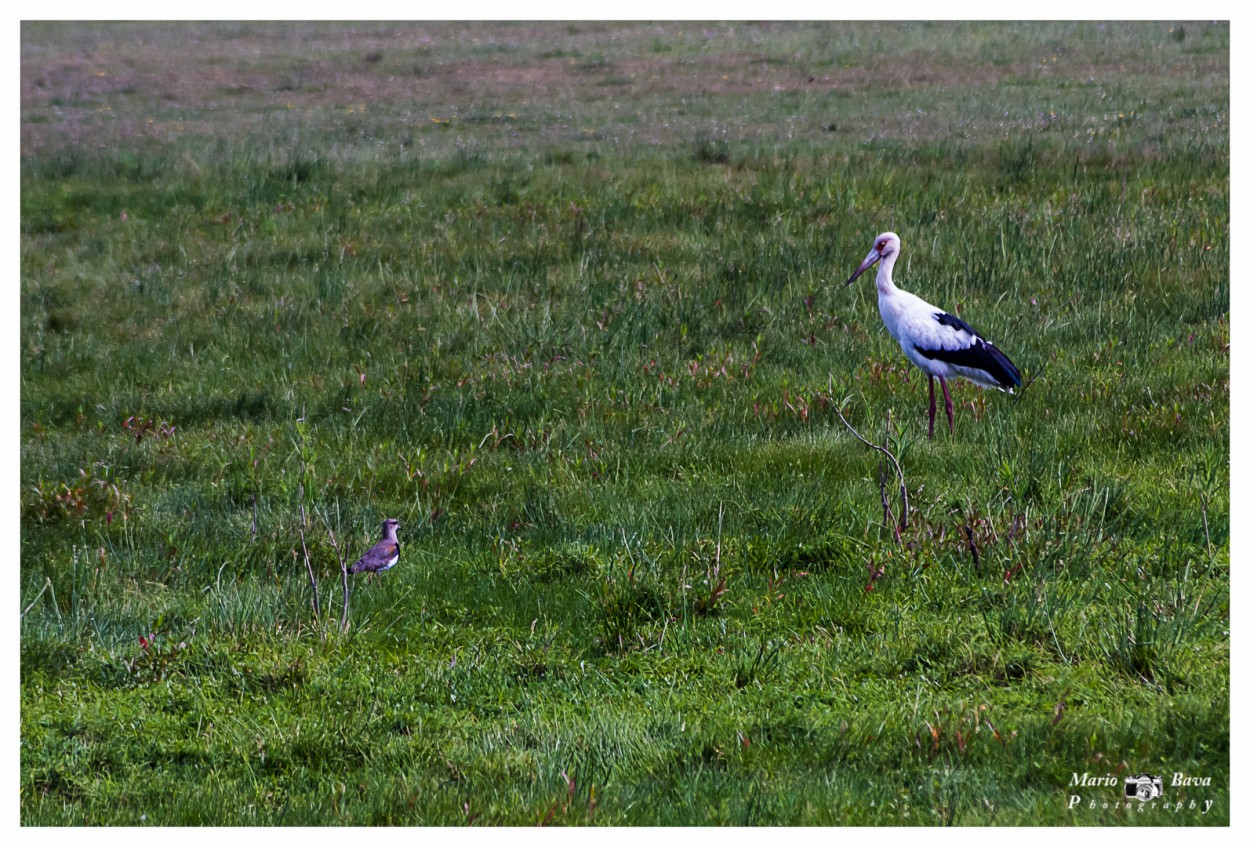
(950, 407)
(932, 405)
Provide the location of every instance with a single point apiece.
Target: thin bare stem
(46, 585)
(720, 521)
(887, 514)
(1032, 379)
(1206, 531)
(343, 568)
(898, 469)
(312, 578)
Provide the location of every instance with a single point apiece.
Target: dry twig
(312, 578)
(46, 585)
(342, 567)
(898, 469)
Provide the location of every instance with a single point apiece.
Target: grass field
(565, 299)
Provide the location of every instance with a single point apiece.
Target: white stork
(937, 342)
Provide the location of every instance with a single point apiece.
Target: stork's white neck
(885, 274)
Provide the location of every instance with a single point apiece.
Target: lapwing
(381, 556)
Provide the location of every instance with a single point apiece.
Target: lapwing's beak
(869, 261)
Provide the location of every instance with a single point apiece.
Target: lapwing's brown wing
(380, 556)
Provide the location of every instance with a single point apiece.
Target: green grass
(566, 300)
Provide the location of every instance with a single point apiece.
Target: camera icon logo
(1143, 787)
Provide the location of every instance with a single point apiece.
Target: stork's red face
(885, 245)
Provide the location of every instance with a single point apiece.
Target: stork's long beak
(871, 260)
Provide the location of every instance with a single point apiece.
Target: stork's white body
(910, 321)
(935, 341)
